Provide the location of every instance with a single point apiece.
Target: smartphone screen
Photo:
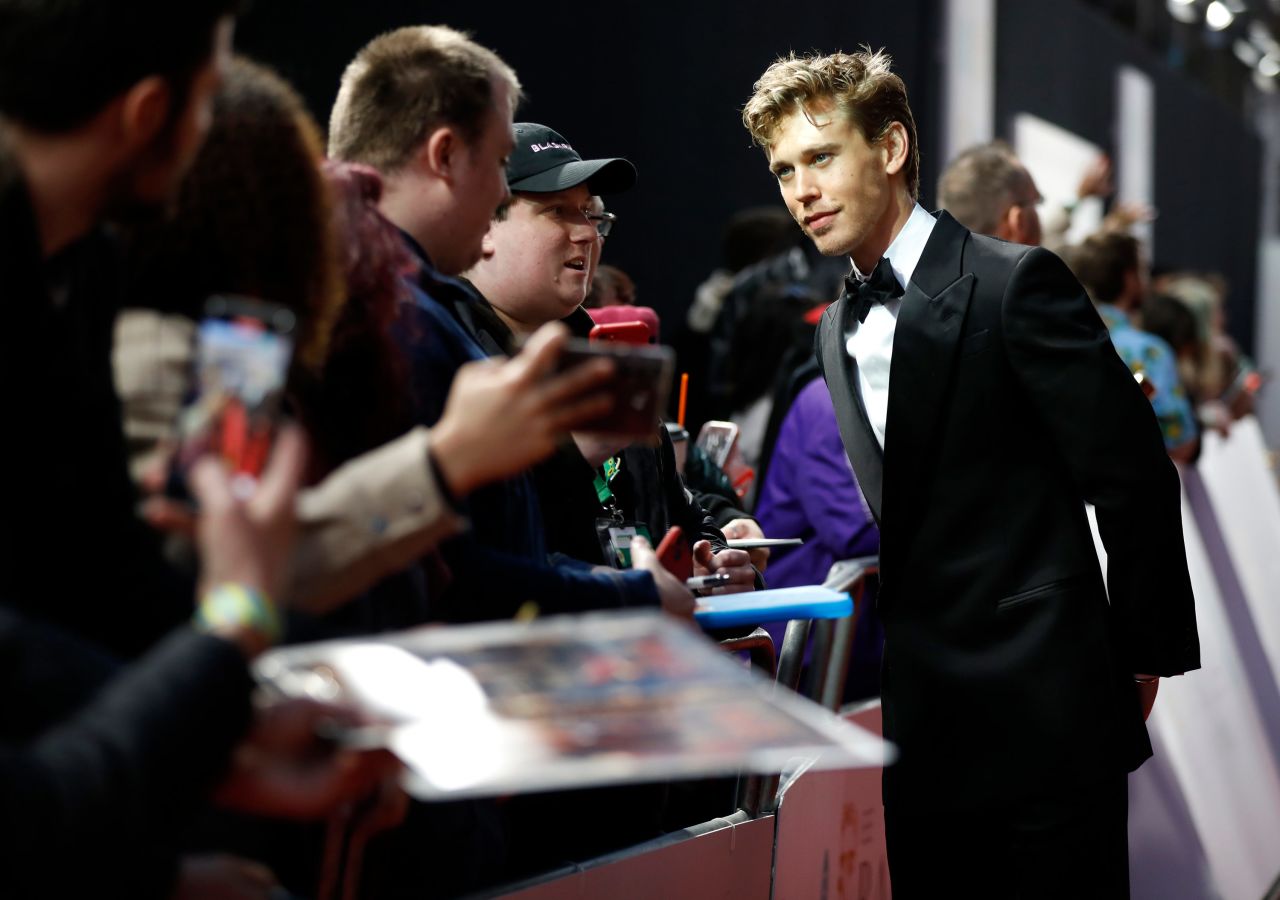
(717, 440)
(243, 349)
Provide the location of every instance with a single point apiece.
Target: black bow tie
(881, 287)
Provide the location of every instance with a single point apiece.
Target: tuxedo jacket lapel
(925, 342)
(851, 416)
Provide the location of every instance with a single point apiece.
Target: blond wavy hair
(862, 86)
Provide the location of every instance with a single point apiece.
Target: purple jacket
(810, 493)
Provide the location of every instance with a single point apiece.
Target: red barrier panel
(830, 831)
(731, 862)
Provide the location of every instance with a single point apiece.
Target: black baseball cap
(543, 163)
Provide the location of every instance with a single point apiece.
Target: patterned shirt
(1150, 356)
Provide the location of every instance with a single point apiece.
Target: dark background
(666, 89)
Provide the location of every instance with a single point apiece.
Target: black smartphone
(640, 386)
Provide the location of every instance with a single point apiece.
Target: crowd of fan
(437, 258)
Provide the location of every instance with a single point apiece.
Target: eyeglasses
(603, 222)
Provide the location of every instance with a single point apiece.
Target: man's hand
(249, 542)
(503, 416)
(741, 529)
(284, 770)
(1124, 216)
(1096, 181)
(676, 598)
(1148, 686)
(734, 563)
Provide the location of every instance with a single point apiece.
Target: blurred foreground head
(131, 81)
(253, 215)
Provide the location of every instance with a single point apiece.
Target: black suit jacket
(1007, 674)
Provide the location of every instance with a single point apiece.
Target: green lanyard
(609, 471)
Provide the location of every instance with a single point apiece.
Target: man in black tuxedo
(1009, 681)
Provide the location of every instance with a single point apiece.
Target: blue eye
(821, 157)
(783, 172)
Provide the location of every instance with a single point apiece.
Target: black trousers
(1071, 845)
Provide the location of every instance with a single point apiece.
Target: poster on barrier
(564, 702)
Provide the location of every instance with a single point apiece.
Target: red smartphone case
(623, 332)
(675, 555)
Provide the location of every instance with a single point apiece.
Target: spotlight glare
(1246, 52)
(1183, 10)
(1260, 36)
(1217, 16)
(1269, 67)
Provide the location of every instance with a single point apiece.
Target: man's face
(480, 187)
(151, 183)
(542, 252)
(834, 183)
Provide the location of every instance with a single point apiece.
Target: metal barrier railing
(833, 640)
(828, 668)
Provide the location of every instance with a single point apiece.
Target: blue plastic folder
(756, 607)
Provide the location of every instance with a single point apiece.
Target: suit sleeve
(1107, 434)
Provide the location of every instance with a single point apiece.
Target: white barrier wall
(1216, 769)
(1242, 491)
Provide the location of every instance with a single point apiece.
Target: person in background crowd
(1222, 378)
(1014, 682)
(810, 493)
(761, 341)
(989, 191)
(610, 287)
(760, 246)
(752, 235)
(1109, 264)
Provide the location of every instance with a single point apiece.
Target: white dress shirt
(871, 342)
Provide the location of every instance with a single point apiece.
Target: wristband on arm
(235, 606)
